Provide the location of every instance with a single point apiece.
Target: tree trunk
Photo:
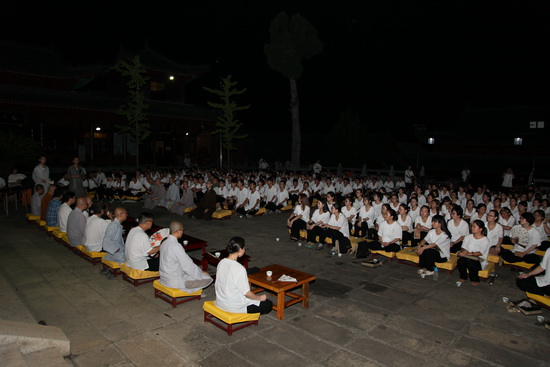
(296, 135)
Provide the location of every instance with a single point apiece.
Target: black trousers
(376, 245)
(429, 257)
(415, 242)
(264, 307)
(153, 264)
(509, 256)
(468, 267)
(273, 207)
(317, 231)
(361, 229)
(456, 247)
(343, 242)
(530, 285)
(297, 225)
(544, 245)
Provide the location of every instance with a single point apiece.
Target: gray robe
(113, 243)
(177, 269)
(76, 227)
(76, 185)
(154, 198)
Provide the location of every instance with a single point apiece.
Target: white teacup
(505, 299)
(185, 242)
(218, 254)
(269, 273)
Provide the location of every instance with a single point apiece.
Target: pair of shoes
(421, 271)
(319, 247)
(429, 272)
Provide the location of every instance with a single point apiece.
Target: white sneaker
(420, 271)
(458, 284)
(429, 272)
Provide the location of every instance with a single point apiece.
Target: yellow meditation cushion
(545, 300)
(111, 264)
(29, 216)
(408, 254)
(138, 274)
(261, 211)
(51, 229)
(174, 292)
(228, 317)
(190, 209)
(448, 265)
(487, 272)
(221, 213)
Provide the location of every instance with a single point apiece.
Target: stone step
(10, 355)
(48, 357)
(34, 337)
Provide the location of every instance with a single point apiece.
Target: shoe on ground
(429, 272)
(421, 271)
(319, 246)
(332, 252)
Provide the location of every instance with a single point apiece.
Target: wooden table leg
(305, 294)
(280, 305)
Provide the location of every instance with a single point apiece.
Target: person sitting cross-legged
(233, 292)
(177, 269)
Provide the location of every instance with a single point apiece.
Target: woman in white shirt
(532, 282)
(435, 247)
(233, 292)
(338, 231)
(507, 221)
(299, 218)
(405, 221)
(394, 202)
(473, 256)
(365, 218)
(358, 202)
(349, 212)
(495, 232)
(541, 225)
(480, 214)
(422, 224)
(414, 209)
(389, 234)
(469, 210)
(458, 228)
(320, 217)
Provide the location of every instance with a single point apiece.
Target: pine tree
(138, 126)
(227, 125)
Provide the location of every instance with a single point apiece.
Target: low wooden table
(210, 258)
(282, 289)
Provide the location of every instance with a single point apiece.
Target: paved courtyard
(358, 316)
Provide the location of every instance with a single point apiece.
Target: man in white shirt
(176, 268)
(139, 253)
(15, 178)
(96, 227)
(242, 198)
(253, 204)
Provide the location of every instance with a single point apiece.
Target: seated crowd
(379, 215)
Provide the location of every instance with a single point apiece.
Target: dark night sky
(395, 63)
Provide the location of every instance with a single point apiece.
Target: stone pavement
(358, 316)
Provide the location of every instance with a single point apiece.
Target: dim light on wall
(518, 141)
(431, 141)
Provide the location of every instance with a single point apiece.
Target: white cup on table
(269, 273)
(185, 242)
(218, 254)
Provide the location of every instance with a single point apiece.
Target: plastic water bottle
(436, 273)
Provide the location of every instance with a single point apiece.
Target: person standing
(409, 178)
(41, 174)
(76, 174)
(507, 180)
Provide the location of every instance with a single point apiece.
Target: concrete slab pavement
(358, 316)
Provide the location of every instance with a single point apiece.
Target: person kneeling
(176, 268)
(233, 292)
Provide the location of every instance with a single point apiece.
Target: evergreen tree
(138, 126)
(227, 125)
